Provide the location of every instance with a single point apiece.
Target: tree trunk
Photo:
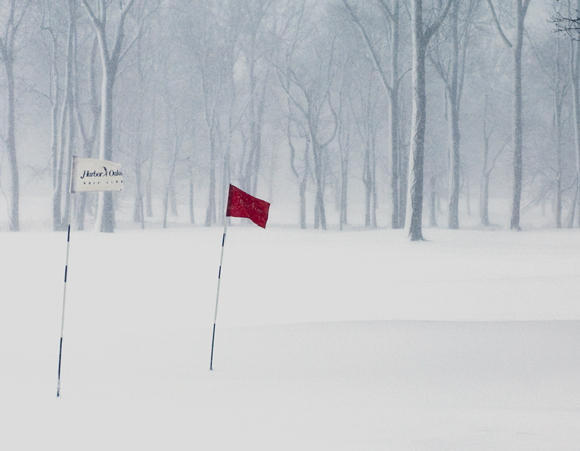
(173, 201)
(191, 186)
(574, 203)
(169, 192)
(455, 172)
(151, 165)
(258, 141)
(55, 98)
(396, 175)
(210, 214)
(484, 194)
(484, 206)
(247, 183)
(7, 57)
(403, 177)
(467, 197)
(368, 182)
(575, 69)
(415, 203)
(67, 215)
(319, 211)
(138, 211)
(433, 201)
(344, 187)
(521, 10)
(454, 135)
(11, 147)
(110, 62)
(420, 40)
(558, 127)
(69, 125)
(374, 197)
(106, 210)
(226, 175)
(90, 138)
(303, 185)
(57, 192)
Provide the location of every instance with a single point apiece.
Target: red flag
(242, 205)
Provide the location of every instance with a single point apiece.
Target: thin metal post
(65, 275)
(218, 291)
(63, 309)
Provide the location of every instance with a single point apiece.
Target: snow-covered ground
(357, 340)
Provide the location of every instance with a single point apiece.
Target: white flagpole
(63, 307)
(65, 277)
(218, 291)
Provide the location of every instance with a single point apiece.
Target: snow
(356, 340)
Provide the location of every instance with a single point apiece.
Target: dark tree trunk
(518, 120)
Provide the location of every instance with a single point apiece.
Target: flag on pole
(90, 174)
(242, 205)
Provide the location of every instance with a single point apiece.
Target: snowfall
(325, 340)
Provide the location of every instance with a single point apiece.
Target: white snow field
(357, 340)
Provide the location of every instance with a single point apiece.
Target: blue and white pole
(218, 291)
(63, 306)
(65, 276)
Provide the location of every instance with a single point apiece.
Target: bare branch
(374, 56)
(96, 22)
(488, 172)
(432, 29)
(498, 26)
(386, 9)
(440, 70)
(568, 25)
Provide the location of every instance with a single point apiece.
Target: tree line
(399, 105)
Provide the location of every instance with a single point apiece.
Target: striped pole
(65, 277)
(63, 306)
(218, 291)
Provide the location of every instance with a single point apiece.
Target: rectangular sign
(90, 174)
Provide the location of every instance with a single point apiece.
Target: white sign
(90, 174)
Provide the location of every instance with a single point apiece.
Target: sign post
(87, 174)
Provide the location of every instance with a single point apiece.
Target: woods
(346, 113)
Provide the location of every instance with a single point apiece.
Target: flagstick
(218, 291)
(63, 306)
(65, 277)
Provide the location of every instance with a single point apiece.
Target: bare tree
(575, 74)
(364, 112)
(310, 94)
(569, 23)
(179, 131)
(392, 84)
(14, 17)
(111, 54)
(488, 164)
(50, 25)
(66, 132)
(290, 33)
(452, 71)
(521, 7)
(212, 61)
(255, 12)
(88, 132)
(345, 141)
(559, 84)
(421, 37)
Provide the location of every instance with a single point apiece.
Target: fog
(307, 104)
